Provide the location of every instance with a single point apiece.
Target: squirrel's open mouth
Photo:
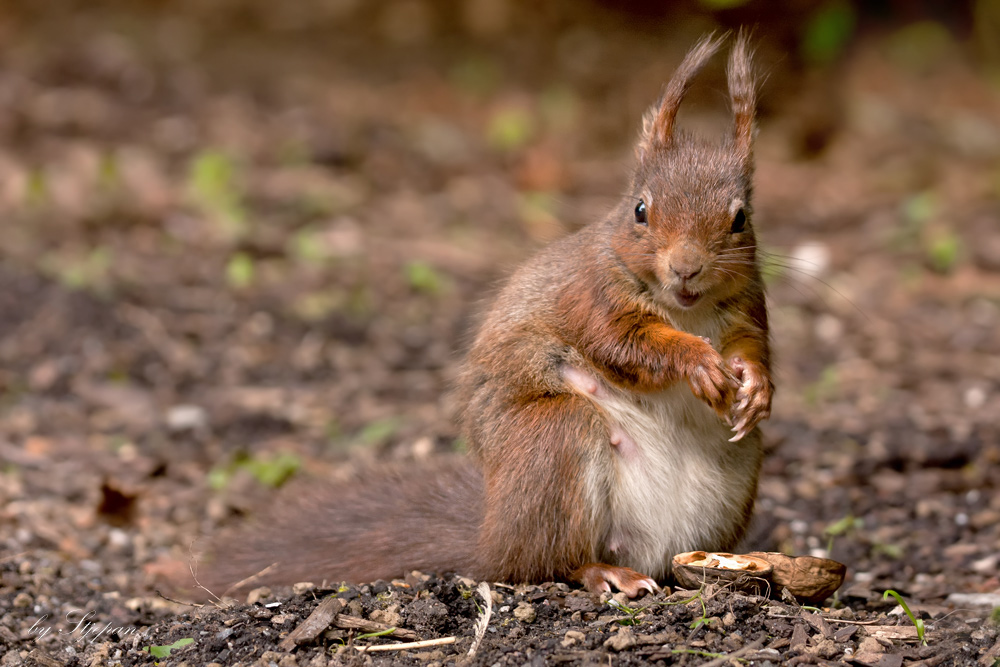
(685, 298)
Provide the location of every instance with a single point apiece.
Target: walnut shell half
(745, 573)
(810, 580)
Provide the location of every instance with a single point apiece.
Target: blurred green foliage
(213, 184)
(240, 270)
(942, 249)
(478, 76)
(423, 277)
(37, 190)
(380, 431)
(771, 266)
(81, 272)
(510, 128)
(920, 46)
(921, 231)
(825, 387)
(560, 108)
(270, 470)
(307, 246)
(827, 32)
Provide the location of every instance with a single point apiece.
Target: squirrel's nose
(685, 272)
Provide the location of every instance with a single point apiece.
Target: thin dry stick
(833, 620)
(484, 621)
(440, 641)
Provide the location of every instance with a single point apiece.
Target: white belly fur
(668, 480)
(681, 486)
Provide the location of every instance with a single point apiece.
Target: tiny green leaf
(164, 651)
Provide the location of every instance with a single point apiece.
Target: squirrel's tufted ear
(743, 93)
(658, 122)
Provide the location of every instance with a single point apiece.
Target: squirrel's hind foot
(599, 577)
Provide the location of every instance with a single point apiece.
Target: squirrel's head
(685, 229)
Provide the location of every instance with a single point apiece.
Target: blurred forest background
(244, 239)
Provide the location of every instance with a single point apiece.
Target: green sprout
(704, 619)
(630, 612)
(380, 633)
(164, 651)
(918, 623)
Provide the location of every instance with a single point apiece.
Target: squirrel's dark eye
(640, 213)
(739, 222)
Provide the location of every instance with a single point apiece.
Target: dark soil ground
(244, 240)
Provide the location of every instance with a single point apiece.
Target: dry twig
(440, 641)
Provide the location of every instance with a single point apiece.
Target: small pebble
(622, 641)
(258, 594)
(303, 587)
(186, 418)
(525, 613)
(988, 600)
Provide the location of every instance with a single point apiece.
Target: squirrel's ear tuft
(658, 122)
(743, 93)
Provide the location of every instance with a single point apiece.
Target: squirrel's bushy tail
(380, 526)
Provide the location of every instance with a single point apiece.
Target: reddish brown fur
(606, 299)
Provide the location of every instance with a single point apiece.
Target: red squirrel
(611, 397)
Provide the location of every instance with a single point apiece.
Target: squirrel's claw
(753, 398)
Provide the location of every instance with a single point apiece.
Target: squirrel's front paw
(712, 381)
(753, 398)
